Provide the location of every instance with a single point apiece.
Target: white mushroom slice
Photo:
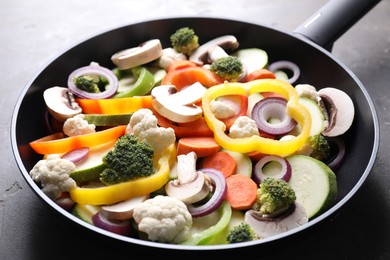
(60, 103)
(191, 185)
(178, 106)
(123, 210)
(146, 52)
(216, 52)
(267, 227)
(226, 42)
(340, 110)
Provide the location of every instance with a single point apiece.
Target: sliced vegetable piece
(184, 77)
(121, 227)
(314, 183)
(241, 191)
(178, 106)
(93, 70)
(126, 190)
(211, 229)
(259, 74)
(59, 144)
(202, 146)
(115, 106)
(107, 119)
(143, 83)
(61, 103)
(90, 168)
(195, 128)
(271, 116)
(272, 166)
(217, 198)
(317, 115)
(221, 161)
(122, 210)
(284, 65)
(144, 53)
(244, 162)
(76, 155)
(85, 212)
(253, 58)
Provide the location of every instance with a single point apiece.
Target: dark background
(32, 33)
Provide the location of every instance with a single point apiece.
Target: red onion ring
(272, 107)
(111, 88)
(284, 174)
(282, 65)
(337, 145)
(121, 227)
(219, 182)
(76, 155)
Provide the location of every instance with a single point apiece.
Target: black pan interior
(318, 68)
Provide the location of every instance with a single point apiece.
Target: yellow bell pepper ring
(126, 190)
(257, 143)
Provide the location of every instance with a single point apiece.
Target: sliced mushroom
(123, 210)
(178, 106)
(201, 55)
(146, 52)
(61, 103)
(340, 111)
(191, 185)
(265, 227)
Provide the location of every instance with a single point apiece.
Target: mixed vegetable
(193, 144)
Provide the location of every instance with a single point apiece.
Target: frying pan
(308, 47)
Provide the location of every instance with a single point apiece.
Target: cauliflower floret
(243, 127)
(169, 55)
(143, 124)
(53, 174)
(78, 126)
(222, 109)
(164, 219)
(306, 90)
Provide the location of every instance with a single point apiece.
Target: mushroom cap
(340, 111)
(60, 103)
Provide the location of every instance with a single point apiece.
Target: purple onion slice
(284, 65)
(76, 155)
(284, 173)
(121, 227)
(110, 90)
(219, 183)
(267, 110)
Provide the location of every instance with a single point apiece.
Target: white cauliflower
(143, 124)
(53, 175)
(164, 219)
(169, 55)
(306, 90)
(78, 126)
(222, 109)
(243, 127)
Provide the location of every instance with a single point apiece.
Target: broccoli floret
(241, 233)
(320, 146)
(90, 84)
(273, 196)
(184, 40)
(129, 159)
(228, 68)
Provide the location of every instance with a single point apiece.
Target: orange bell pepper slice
(112, 106)
(187, 75)
(58, 143)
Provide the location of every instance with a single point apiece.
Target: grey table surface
(32, 33)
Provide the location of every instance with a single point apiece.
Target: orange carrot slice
(241, 191)
(202, 146)
(221, 161)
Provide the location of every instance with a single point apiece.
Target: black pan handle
(332, 20)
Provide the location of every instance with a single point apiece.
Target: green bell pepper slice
(138, 83)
